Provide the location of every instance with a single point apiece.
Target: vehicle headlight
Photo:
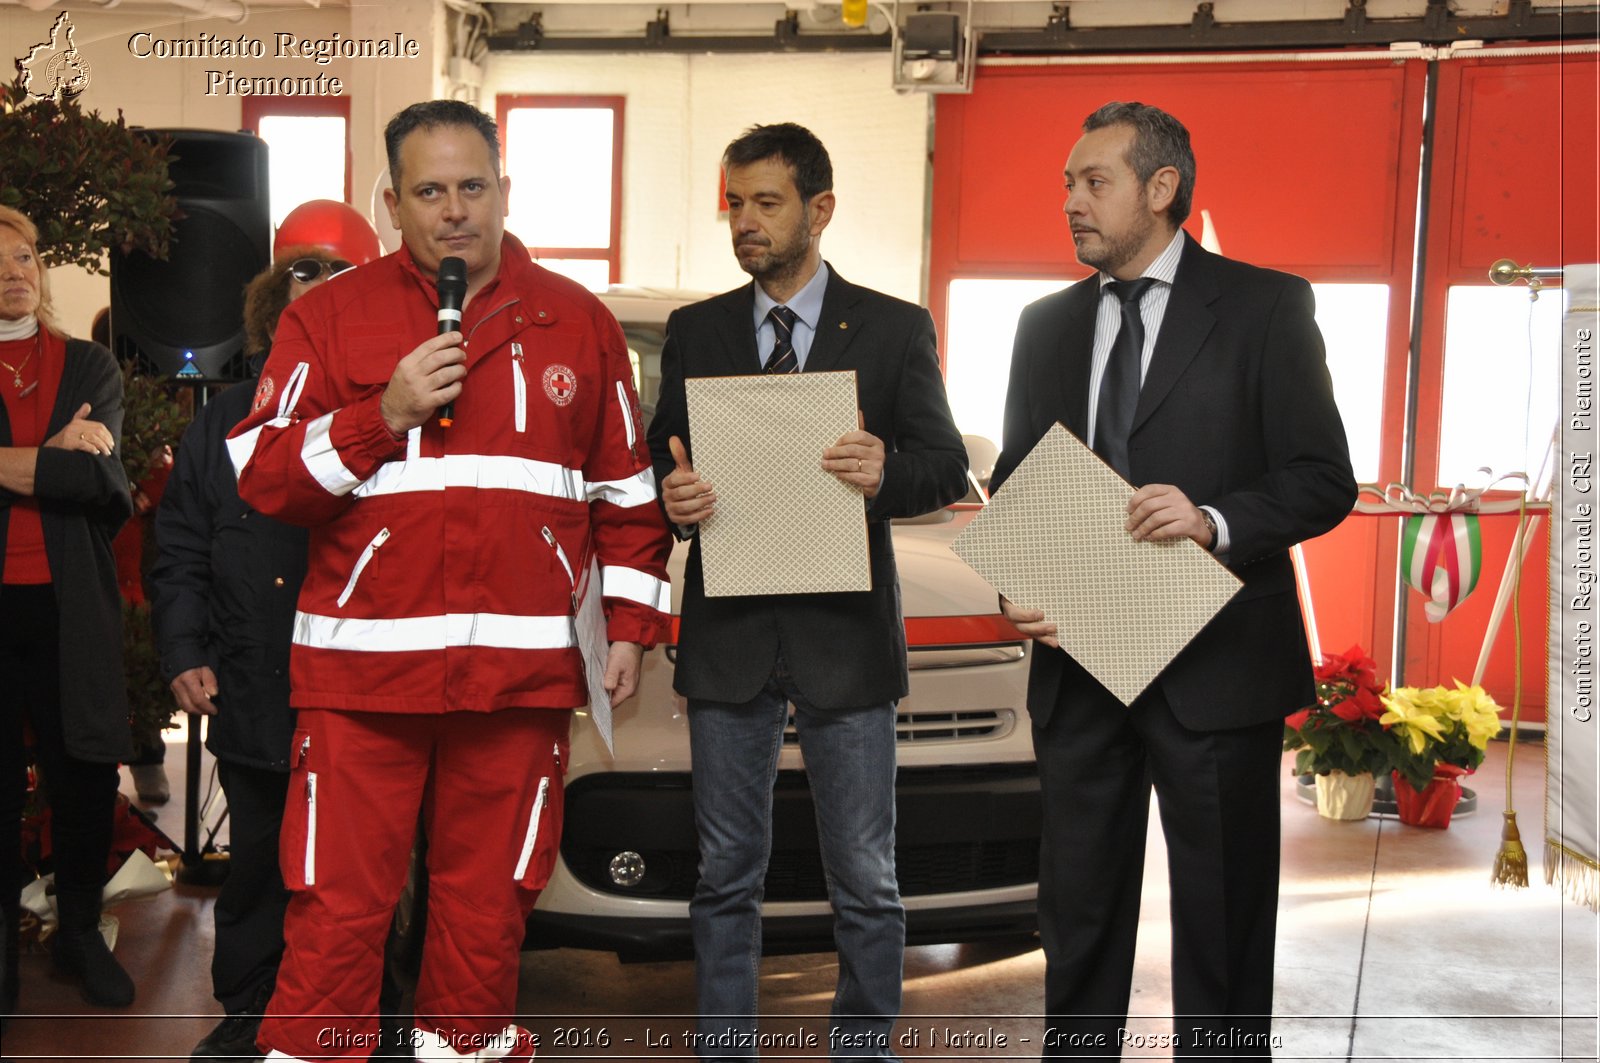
(627, 868)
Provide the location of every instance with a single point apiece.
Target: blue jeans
(849, 757)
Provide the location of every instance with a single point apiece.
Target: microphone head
(452, 282)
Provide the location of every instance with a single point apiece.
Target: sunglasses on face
(306, 270)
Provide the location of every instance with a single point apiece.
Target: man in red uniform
(434, 643)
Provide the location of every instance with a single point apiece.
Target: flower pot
(1432, 806)
(1346, 797)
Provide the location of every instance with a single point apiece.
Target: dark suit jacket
(1237, 411)
(843, 650)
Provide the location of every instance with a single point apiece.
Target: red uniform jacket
(441, 567)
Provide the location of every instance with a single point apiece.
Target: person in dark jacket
(225, 583)
(63, 495)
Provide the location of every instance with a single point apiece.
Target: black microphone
(452, 286)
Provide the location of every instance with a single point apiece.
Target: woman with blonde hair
(63, 495)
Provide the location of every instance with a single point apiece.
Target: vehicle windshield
(644, 351)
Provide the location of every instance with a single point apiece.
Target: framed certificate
(783, 524)
(1054, 538)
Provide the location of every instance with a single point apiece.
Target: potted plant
(1438, 735)
(1340, 738)
(152, 423)
(89, 184)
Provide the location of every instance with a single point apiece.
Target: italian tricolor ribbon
(1441, 556)
(1441, 550)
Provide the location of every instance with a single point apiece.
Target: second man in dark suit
(1203, 382)
(840, 659)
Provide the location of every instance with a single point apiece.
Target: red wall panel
(1524, 174)
(1352, 601)
(1496, 192)
(1297, 162)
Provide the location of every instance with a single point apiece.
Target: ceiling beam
(1057, 36)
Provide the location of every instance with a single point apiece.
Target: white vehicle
(967, 844)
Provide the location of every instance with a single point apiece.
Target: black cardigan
(83, 501)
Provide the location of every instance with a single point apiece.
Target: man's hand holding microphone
(429, 378)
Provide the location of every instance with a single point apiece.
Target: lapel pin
(844, 324)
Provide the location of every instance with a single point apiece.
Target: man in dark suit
(839, 658)
(1203, 382)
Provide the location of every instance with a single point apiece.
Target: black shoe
(10, 932)
(80, 953)
(83, 956)
(234, 1038)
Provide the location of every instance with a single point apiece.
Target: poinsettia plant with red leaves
(1342, 731)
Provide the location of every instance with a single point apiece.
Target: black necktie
(782, 359)
(1119, 386)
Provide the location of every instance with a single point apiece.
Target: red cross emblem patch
(264, 393)
(560, 384)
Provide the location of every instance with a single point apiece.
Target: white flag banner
(1572, 717)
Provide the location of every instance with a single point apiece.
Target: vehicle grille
(937, 726)
(969, 827)
(796, 874)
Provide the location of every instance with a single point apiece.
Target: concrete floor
(1392, 945)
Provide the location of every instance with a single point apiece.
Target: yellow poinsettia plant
(1438, 725)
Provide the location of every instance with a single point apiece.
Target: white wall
(681, 113)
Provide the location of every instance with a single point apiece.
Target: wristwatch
(1211, 526)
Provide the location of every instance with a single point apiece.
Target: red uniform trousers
(494, 826)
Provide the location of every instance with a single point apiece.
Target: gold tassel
(1511, 863)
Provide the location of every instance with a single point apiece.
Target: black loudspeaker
(184, 318)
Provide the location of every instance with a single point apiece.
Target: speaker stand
(198, 865)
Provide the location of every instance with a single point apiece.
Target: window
(308, 138)
(981, 327)
(1354, 320)
(1501, 381)
(564, 157)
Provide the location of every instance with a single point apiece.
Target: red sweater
(25, 560)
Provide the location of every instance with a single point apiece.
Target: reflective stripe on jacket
(441, 567)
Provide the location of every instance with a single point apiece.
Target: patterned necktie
(782, 359)
(1119, 385)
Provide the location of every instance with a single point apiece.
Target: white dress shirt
(1152, 309)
